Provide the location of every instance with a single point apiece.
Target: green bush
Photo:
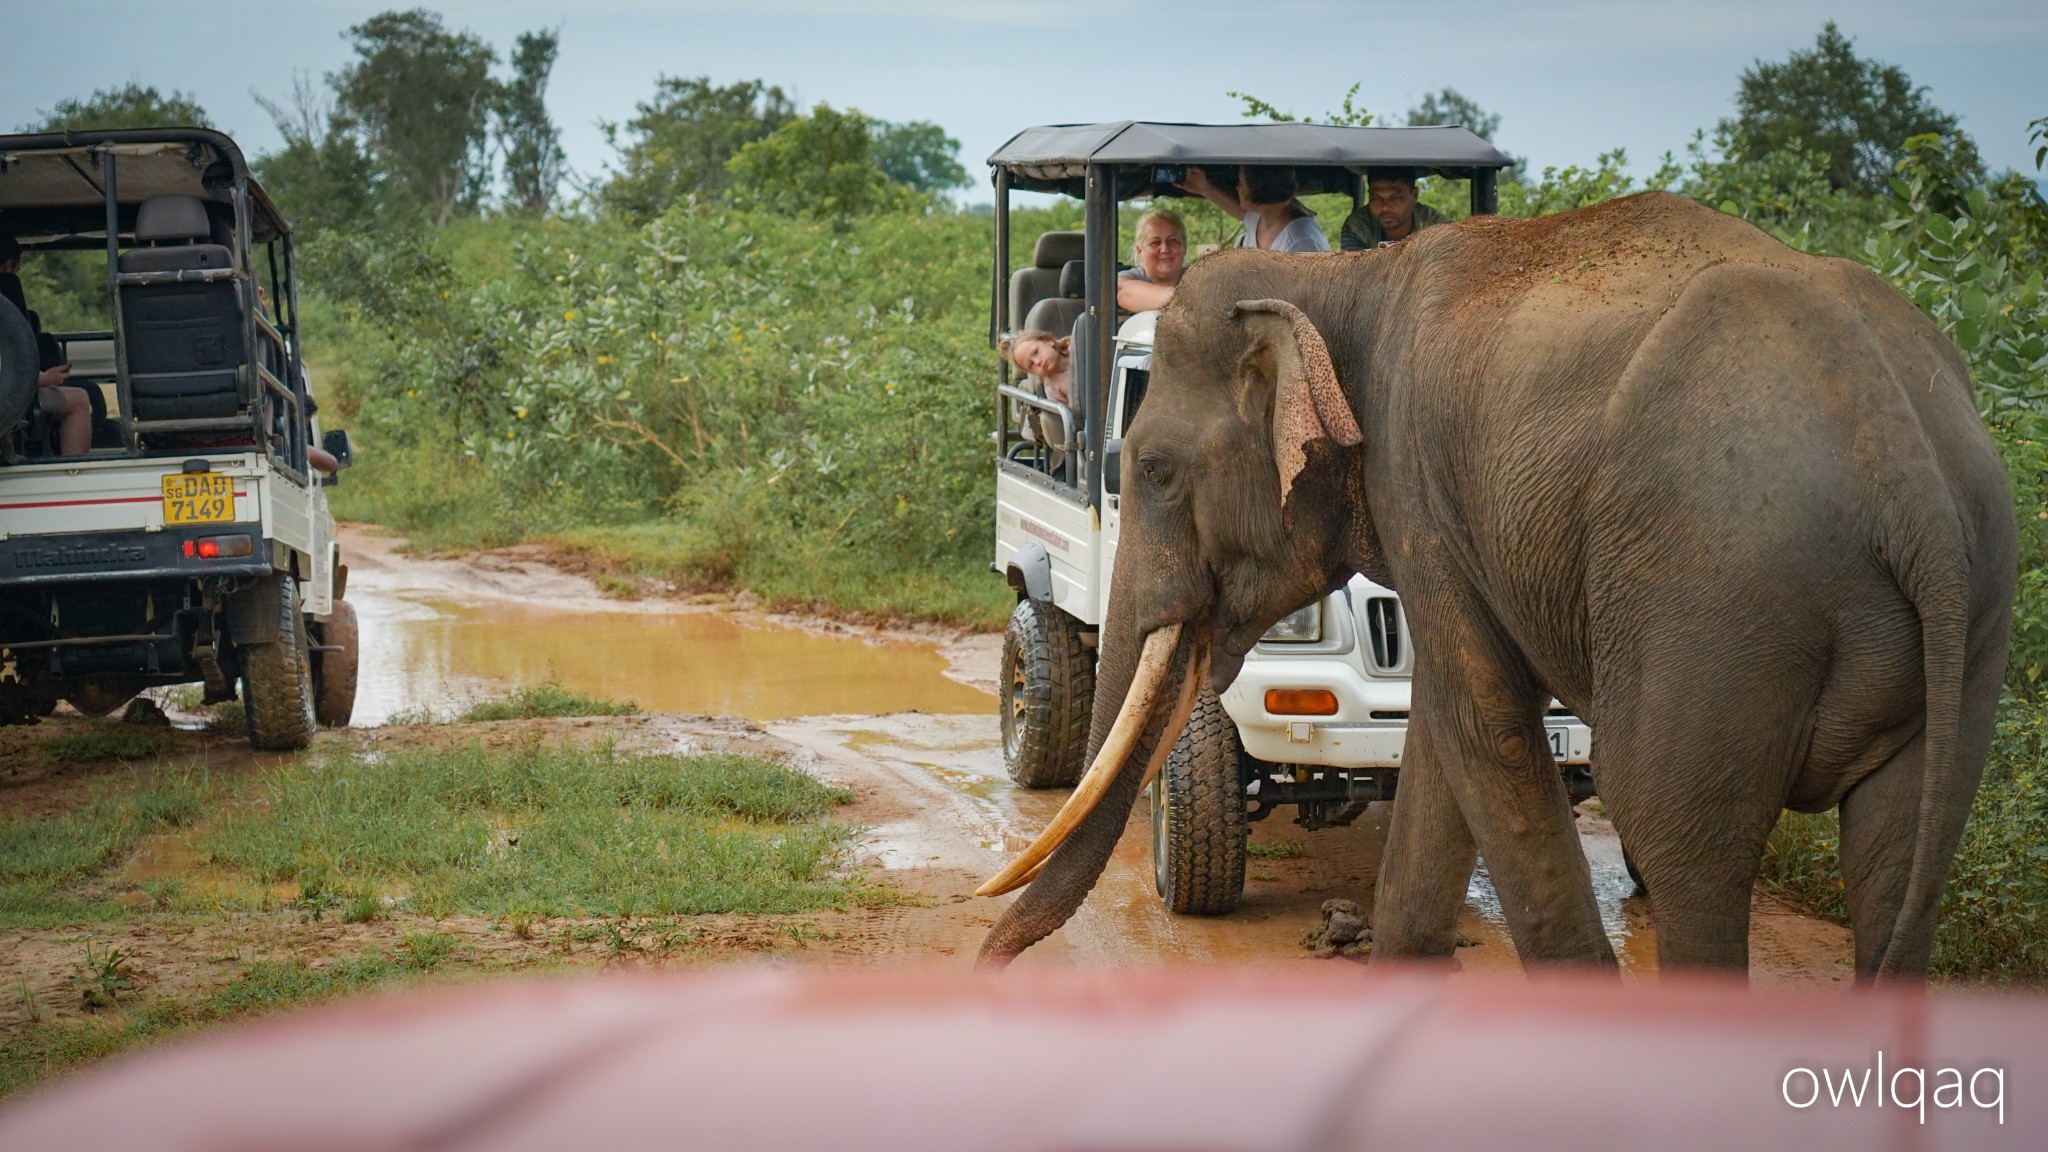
(797, 395)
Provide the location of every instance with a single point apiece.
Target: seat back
(1057, 314)
(1041, 281)
(184, 340)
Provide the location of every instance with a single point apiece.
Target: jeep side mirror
(1112, 466)
(338, 446)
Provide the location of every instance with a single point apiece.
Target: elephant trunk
(1140, 706)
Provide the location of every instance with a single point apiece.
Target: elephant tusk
(1190, 689)
(1130, 723)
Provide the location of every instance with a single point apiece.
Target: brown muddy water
(439, 635)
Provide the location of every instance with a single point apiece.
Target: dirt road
(939, 813)
(905, 719)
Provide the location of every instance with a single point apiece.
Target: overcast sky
(1569, 78)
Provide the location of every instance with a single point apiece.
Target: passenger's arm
(1198, 183)
(1140, 295)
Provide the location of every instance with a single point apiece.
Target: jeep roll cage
(83, 190)
(1103, 165)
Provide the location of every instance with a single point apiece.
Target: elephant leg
(1427, 863)
(1693, 767)
(1483, 711)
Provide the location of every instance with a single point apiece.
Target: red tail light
(217, 547)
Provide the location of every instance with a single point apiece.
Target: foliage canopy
(129, 106)
(679, 141)
(420, 97)
(1858, 112)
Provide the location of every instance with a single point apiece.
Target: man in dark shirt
(70, 406)
(1390, 211)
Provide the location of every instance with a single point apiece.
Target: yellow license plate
(198, 498)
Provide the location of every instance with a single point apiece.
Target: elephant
(1732, 503)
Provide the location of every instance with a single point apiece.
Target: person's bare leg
(74, 435)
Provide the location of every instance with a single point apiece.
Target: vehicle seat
(1049, 257)
(1056, 314)
(184, 340)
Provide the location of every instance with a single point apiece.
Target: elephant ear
(1292, 378)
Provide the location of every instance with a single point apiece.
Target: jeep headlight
(1304, 626)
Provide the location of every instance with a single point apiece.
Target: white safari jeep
(1318, 716)
(191, 542)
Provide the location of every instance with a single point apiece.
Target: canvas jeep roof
(51, 192)
(1054, 158)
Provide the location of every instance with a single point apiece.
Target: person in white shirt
(1264, 200)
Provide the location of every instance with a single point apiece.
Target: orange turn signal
(1301, 702)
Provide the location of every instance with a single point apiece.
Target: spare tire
(17, 365)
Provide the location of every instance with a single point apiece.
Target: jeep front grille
(1383, 628)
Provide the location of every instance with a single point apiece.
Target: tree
(1348, 114)
(132, 106)
(918, 154)
(419, 96)
(820, 165)
(1860, 113)
(321, 177)
(1447, 105)
(681, 140)
(1450, 106)
(534, 164)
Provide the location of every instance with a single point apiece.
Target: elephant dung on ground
(1731, 503)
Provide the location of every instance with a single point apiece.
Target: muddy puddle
(440, 635)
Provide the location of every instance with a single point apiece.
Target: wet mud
(941, 816)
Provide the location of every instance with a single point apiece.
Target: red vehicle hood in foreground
(1335, 1057)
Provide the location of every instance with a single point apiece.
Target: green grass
(545, 700)
(790, 571)
(43, 860)
(550, 832)
(39, 1051)
(122, 743)
(1273, 850)
(1994, 912)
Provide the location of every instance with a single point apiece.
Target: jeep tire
(277, 676)
(334, 667)
(1199, 822)
(1048, 696)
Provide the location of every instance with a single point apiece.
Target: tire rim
(1013, 715)
(1159, 831)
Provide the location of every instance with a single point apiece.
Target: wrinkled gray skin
(1730, 503)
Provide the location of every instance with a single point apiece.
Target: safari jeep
(191, 543)
(1318, 716)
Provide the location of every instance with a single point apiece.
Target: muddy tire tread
(1207, 825)
(334, 678)
(277, 681)
(1059, 696)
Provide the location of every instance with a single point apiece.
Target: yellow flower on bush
(569, 315)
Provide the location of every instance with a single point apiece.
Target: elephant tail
(1931, 562)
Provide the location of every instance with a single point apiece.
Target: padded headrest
(1054, 249)
(172, 217)
(1074, 279)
